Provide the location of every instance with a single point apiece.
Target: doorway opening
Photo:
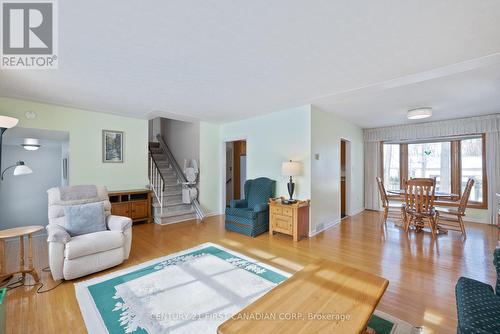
(236, 170)
(49, 165)
(344, 178)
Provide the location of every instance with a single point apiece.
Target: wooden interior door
(239, 149)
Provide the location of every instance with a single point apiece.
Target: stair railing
(156, 180)
(180, 174)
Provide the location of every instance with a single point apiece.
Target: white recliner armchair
(73, 257)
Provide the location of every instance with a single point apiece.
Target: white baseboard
(325, 227)
(356, 212)
(211, 214)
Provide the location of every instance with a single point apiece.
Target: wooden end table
(19, 232)
(291, 219)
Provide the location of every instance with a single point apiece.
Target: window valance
(455, 127)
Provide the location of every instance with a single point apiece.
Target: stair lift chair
(189, 191)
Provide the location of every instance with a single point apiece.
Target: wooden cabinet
(135, 204)
(291, 219)
(139, 209)
(120, 209)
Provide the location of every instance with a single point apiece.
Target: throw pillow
(85, 218)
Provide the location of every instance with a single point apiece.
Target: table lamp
(290, 168)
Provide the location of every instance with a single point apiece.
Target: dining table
(438, 195)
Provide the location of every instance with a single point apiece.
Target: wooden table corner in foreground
(324, 297)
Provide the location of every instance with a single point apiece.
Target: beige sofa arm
(118, 223)
(57, 233)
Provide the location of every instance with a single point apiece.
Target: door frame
(232, 171)
(348, 179)
(222, 168)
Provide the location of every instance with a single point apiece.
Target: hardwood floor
(422, 272)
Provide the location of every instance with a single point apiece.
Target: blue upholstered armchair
(250, 216)
(478, 306)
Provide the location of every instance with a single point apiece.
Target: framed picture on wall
(112, 146)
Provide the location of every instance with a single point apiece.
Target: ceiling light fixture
(419, 113)
(31, 144)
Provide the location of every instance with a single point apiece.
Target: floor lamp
(20, 167)
(6, 122)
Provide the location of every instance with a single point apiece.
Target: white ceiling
(221, 60)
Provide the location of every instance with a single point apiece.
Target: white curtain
(372, 170)
(493, 172)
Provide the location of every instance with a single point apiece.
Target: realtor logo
(28, 35)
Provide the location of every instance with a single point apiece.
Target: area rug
(193, 291)
(383, 323)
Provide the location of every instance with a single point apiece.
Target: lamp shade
(8, 122)
(22, 169)
(291, 168)
(19, 169)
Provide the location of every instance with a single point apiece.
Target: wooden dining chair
(419, 203)
(388, 207)
(452, 219)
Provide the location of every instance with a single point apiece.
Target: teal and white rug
(193, 291)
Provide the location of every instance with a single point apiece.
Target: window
(472, 167)
(452, 162)
(392, 178)
(431, 160)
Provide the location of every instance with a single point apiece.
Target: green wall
(210, 181)
(85, 142)
(327, 130)
(297, 134)
(272, 139)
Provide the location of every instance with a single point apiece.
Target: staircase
(167, 186)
